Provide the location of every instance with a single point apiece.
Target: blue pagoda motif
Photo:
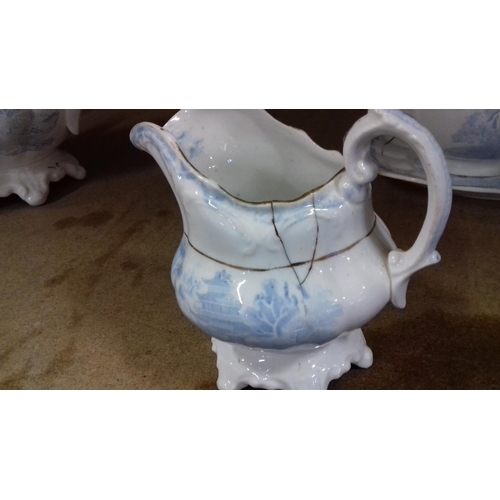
(218, 309)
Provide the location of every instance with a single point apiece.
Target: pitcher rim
(266, 202)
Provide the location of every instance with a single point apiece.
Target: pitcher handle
(361, 170)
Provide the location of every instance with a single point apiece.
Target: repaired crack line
(315, 243)
(283, 245)
(289, 261)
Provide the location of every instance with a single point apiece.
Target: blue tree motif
(272, 312)
(480, 131)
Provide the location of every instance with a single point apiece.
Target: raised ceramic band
(293, 264)
(362, 170)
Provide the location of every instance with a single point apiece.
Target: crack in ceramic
(291, 264)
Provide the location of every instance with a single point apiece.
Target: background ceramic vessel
(29, 158)
(470, 139)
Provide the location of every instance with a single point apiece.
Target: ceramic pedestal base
(29, 178)
(302, 367)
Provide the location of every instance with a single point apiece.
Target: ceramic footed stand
(29, 178)
(302, 367)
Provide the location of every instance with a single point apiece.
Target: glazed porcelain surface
(487, 187)
(29, 158)
(472, 134)
(470, 139)
(281, 246)
(301, 367)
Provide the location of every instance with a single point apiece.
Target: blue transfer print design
(195, 149)
(24, 130)
(190, 147)
(274, 320)
(323, 315)
(178, 262)
(217, 310)
(177, 165)
(273, 312)
(479, 137)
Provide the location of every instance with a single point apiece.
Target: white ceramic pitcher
(283, 259)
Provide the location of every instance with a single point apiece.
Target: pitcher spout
(159, 144)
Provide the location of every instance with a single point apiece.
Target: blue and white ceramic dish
(470, 139)
(29, 158)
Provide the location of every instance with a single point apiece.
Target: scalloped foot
(30, 179)
(302, 367)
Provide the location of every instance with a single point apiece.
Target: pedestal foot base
(301, 367)
(30, 180)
